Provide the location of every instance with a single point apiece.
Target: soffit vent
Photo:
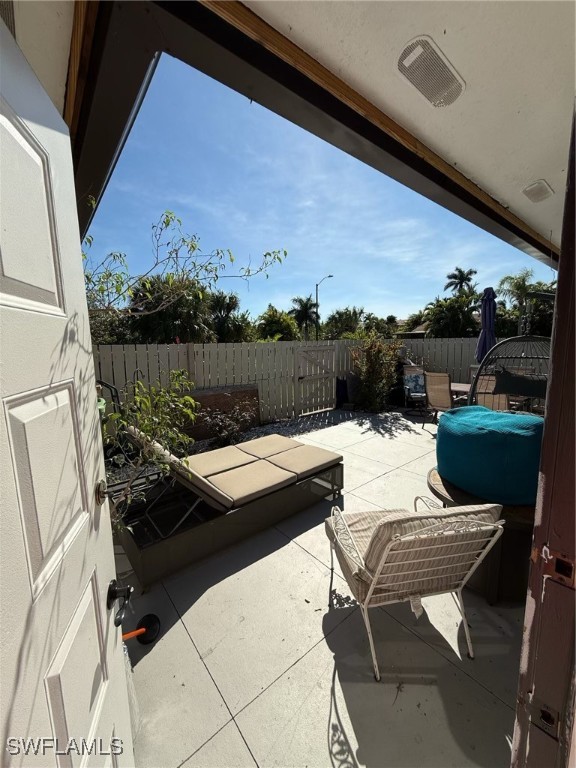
(424, 65)
(538, 191)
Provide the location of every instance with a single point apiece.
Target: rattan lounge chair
(394, 556)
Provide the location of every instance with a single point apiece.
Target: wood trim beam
(83, 28)
(247, 22)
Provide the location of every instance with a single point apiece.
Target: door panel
(61, 660)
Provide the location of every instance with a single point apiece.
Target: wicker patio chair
(393, 556)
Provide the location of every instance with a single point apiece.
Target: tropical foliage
(227, 322)
(516, 289)
(276, 325)
(157, 319)
(460, 280)
(163, 414)
(178, 299)
(110, 328)
(412, 321)
(343, 323)
(178, 272)
(305, 313)
(451, 318)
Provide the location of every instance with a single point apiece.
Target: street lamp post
(317, 284)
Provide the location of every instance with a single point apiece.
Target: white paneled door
(63, 685)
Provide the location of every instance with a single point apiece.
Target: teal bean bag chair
(491, 454)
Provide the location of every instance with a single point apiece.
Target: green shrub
(162, 413)
(375, 364)
(227, 426)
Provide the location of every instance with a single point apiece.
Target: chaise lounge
(232, 493)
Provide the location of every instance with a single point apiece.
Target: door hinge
(557, 566)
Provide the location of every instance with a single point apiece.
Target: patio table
(505, 570)
(458, 389)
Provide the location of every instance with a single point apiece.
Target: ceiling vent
(425, 66)
(538, 191)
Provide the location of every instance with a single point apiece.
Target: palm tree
(413, 321)
(224, 310)
(305, 312)
(276, 325)
(515, 288)
(344, 322)
(459, 280)
(451, 318)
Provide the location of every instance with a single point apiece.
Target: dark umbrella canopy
(487, 337)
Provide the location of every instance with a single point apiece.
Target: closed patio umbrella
(487, 337)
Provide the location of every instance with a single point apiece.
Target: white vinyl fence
(293, 378)
(453, 356)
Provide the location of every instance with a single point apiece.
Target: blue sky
(242, 178)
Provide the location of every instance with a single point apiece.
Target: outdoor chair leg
(364, 610)
(460, 603)
(330, 588)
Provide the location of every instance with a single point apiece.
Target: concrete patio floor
(254, 667)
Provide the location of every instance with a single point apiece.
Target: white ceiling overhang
(511, 125)
(509, 128)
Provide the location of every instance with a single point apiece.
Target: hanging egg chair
(513, 375)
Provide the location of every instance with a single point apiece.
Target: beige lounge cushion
(244, 484)
(263, 447)
(371, 532)
(179, 468)
(219, 460)
(305, 460)
(199, 484)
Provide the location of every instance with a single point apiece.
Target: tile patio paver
(328, 710)
(253, 667)
(496, 638)
(170, 681)
(226, 749)
(307, 528)
(391, 452)
(422, 465)
(252, 611)
(394, 490)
